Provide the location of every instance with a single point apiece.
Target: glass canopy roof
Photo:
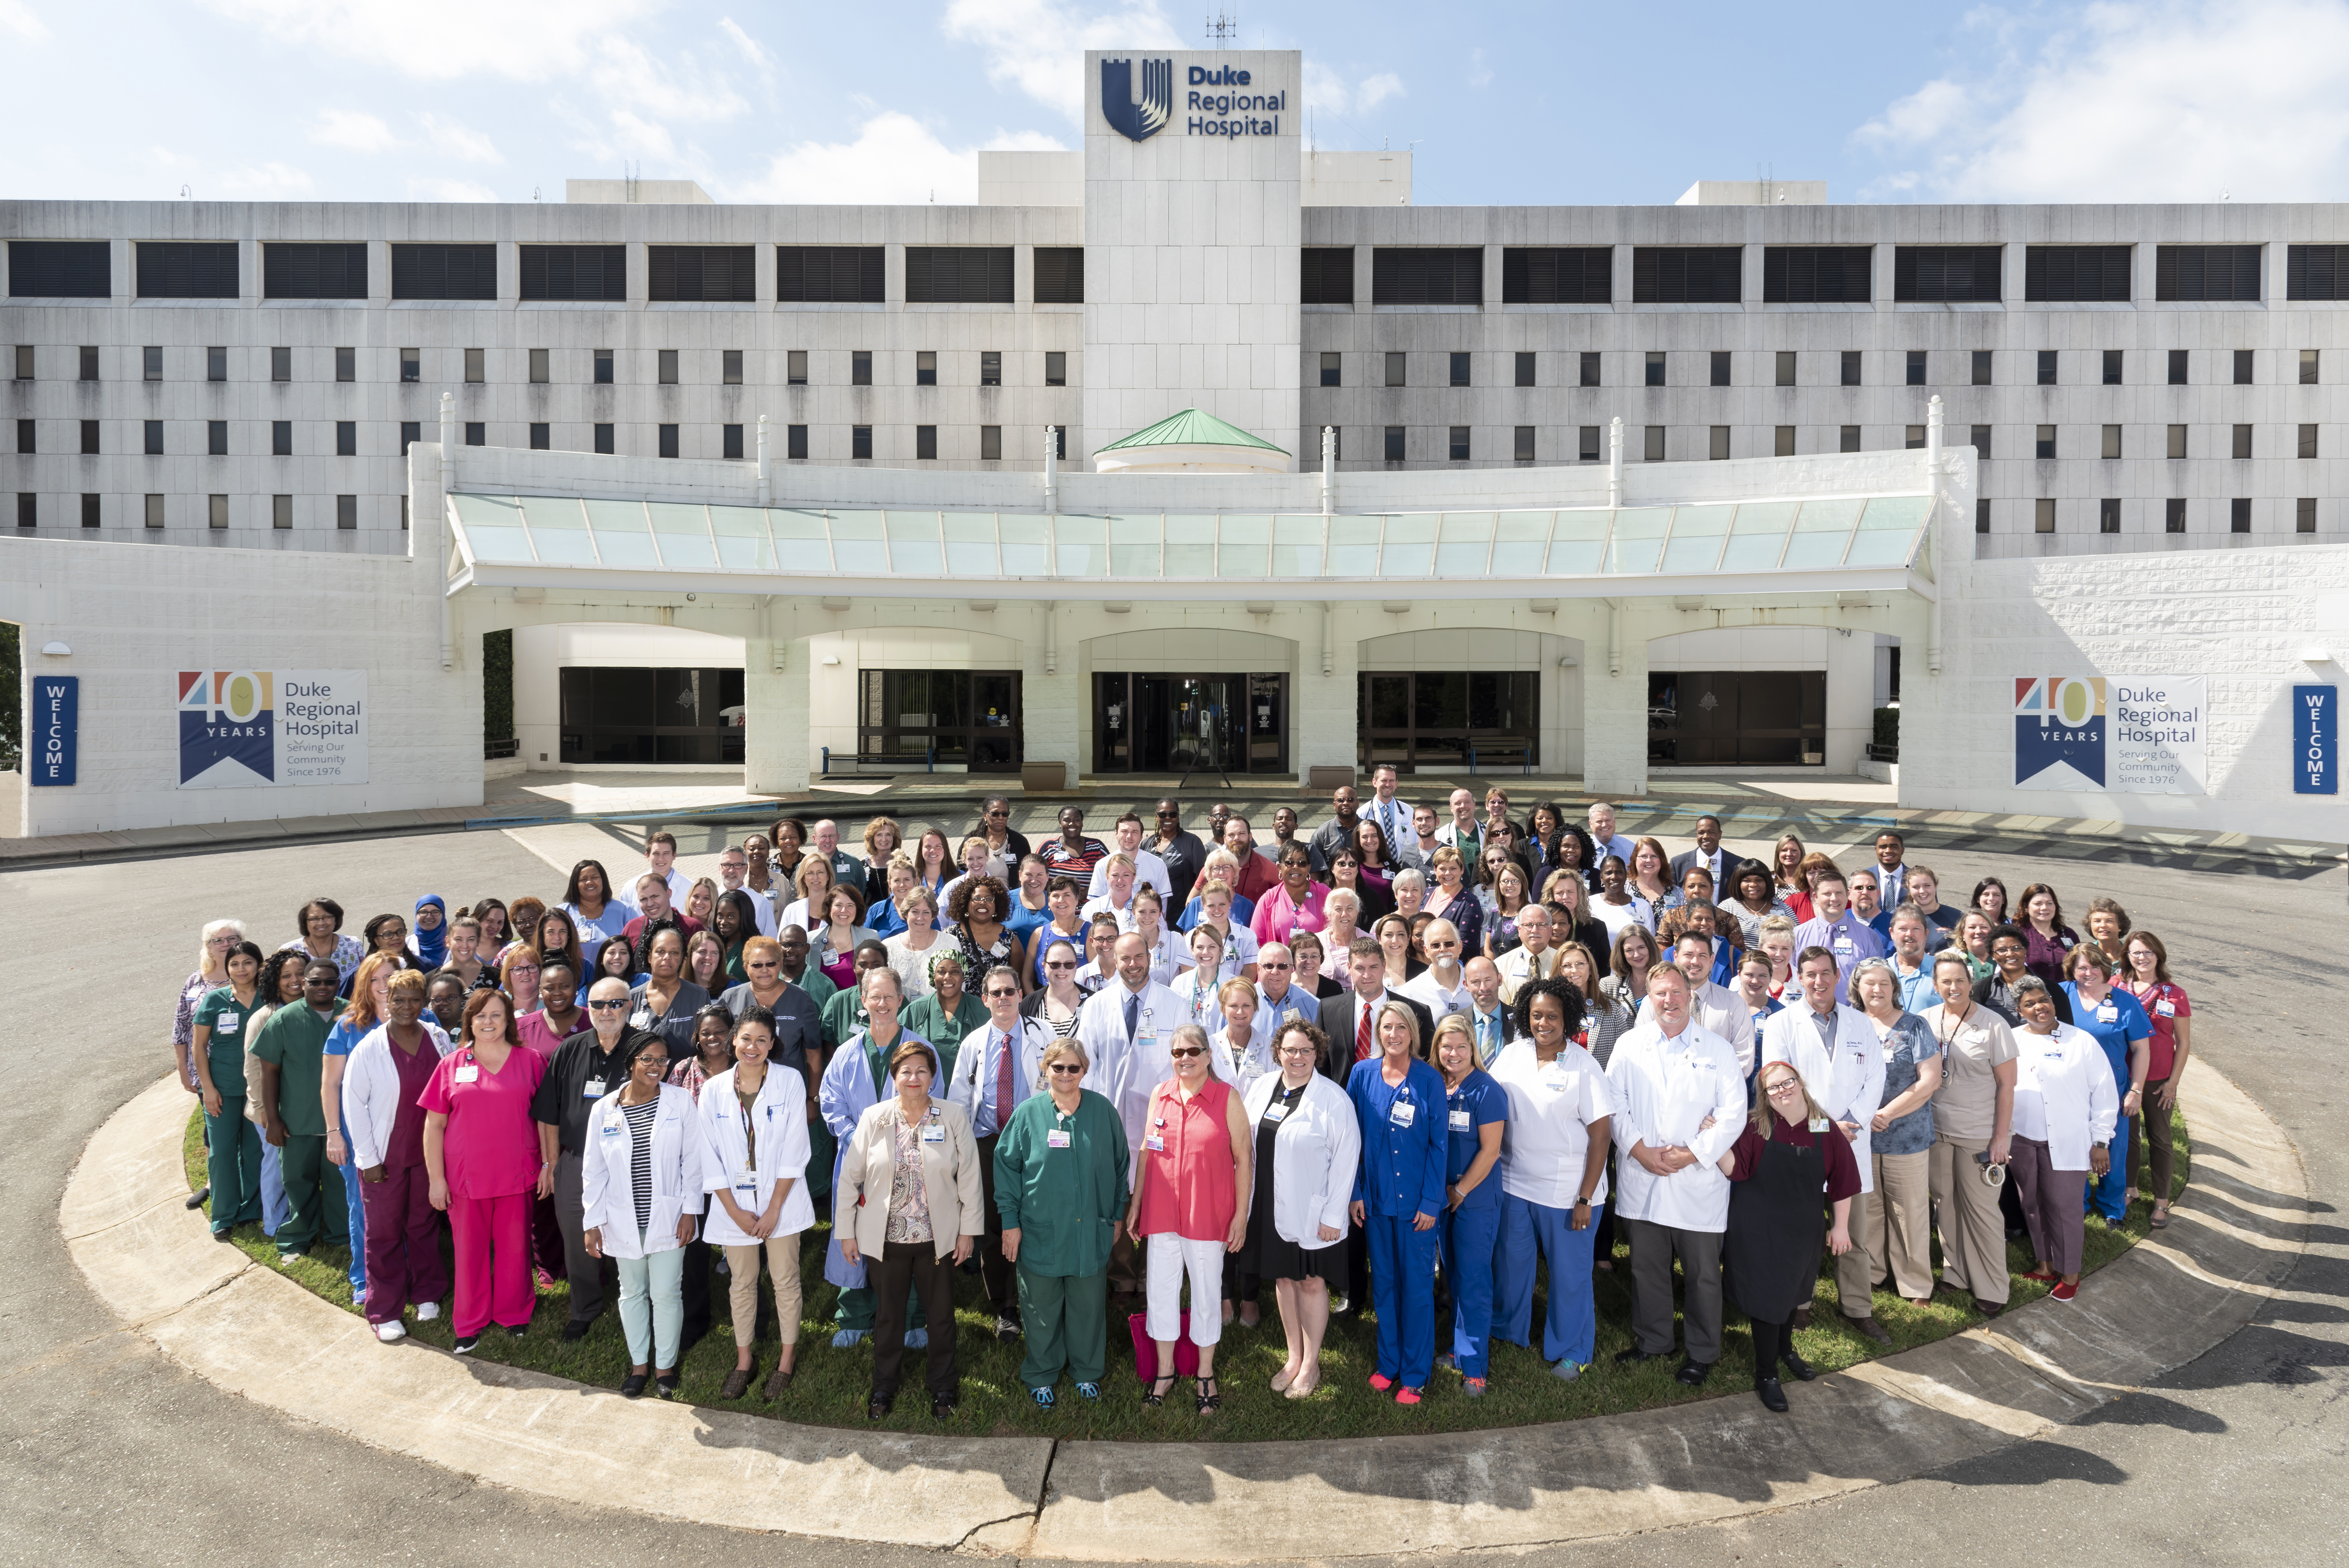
(1864, 532)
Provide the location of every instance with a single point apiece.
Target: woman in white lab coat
(2066, 1106)
(1307, 1147)
(639, 1198)
(754, 1165)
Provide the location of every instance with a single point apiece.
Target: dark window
(1782, 443)
(152, 362)
(1913, 439)
(1395, 443)
(1817, 275)
(29, 510)
(477, 365)
(346, 512)
(1324, 275)
(2178, 367)
(1982, 366)
(2112, 367)
(412, 364)
(1398, 367)
(2308, 440)
(1717, 443)
(1981, 517)
(2243, 440)
(2177, 440)
(1916, 367)
(89, 362)
(24, 428)
(1060, 443)
(1434, 720)
(1525, 445)
(314, 271)
(1059, 274)
(795, 367)
(281, 438)
(280, 511)
(89, 438)
(669, 441)
(1719, 719)
(1330, 369)
(2244, 366)
(347, 437)
(61, 269)
(1427, 276)
(990, 368)
(668, 368)
(90, 516)
(991, 443)
(795, 440)
(603, 367)
(1946, 272)
(2042, 515)
(1687, 276)
(2043, 442)
(860, 441)
(860, 367)
(829, 275)
(1589, 369)
(281, 365)
(707, 274)
(2310, 272)
(23, 362)
(542, 371)
(2205, 273)
(1848, 438)
(651, 716)
(1525, 368)
(731, 441)
(1849, 367)
(1980, 438)
(590, 272)
(410, 432)
(1056, 368)
(1786, 367)
(2309, 363)
(1586, 444)
(477, 433)
(926, 367)
(2047, 368)
(1655, 367)
(2108, 515)
(185, 269)
(1460, 370)
(2077, 272)
(1654, 448)
(346, 365)
(445, 272)
(2173, 515)
(730, 368)
(2238, 515)
(1581, 276)
(925, 442)
(1458, 446)
(971, 717)
(1720, 367)
(2303, 518)
(604, 446)
(958, 275)
(542, 436)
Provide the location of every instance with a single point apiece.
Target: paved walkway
(2239, 1231)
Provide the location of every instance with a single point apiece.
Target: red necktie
(1006, 1085)
(1362, 1035)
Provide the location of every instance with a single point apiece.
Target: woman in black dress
(1788, 1151)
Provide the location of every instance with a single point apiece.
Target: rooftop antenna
(534, 195)
(186, 194)
(628, 172)
(1224, 29)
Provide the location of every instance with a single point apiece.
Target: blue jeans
(2108, 1193)
(1403, 1291)
(1470, 1236)
(1570, 1331)
(353, 1189)
(652, 1307)
(274, 1208)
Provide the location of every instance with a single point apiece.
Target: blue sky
(493, 99)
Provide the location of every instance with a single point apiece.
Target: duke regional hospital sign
(1214, 100)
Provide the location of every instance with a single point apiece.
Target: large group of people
(1400, 1064)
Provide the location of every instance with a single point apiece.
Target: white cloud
(429, 190)
(2137, 104)
(454, 140)
(624, 73)
(1039, 45)
(1329, 93)
(1479, 72)
(752, 50)
(17, 17)
(351, 131)
(894, 158)
(1375, 90)
(271, 181)
(526, 39)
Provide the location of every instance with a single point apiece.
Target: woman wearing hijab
(430, 938)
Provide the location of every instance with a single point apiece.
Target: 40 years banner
(2134, 735)
(249, 728)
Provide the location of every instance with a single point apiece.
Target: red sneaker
(1407, 1397)
(1382, 1382)
(2064, 1290)
(2044, 1274)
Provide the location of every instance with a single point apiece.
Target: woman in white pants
(754, 1127)
(1189, 1201)
(640, 1195)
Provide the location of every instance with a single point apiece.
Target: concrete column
(1851, 699)
(775, 759)
(1052, 700)
(1615, 705)
(1321, 727)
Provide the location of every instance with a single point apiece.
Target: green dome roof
(1192, 429)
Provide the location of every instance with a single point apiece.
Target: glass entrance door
(1179, 723)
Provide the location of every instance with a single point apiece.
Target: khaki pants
(1897, 1235)
(742, 1287)
(1973, 1231)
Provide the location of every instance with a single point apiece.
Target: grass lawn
(832, 1385)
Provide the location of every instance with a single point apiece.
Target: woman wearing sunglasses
(1193, 1166)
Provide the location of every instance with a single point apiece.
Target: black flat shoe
(1866, 1328)
(464, 1345)
(1802, 1370)
(517, 1330)
(1692, 1373)
(666, 1384)
(1634, 1356)
(878, 1408)
(942, 1409)
(576, 1330)
(200, 1197)
(1771, 1394)
(632, 1386)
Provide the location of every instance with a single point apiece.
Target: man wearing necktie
(1487, 1014)
(995, 1069)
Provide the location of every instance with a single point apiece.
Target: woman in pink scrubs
(483, 1150)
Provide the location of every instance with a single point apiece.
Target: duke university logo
(1139, 122)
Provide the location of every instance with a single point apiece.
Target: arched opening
(1185, 699)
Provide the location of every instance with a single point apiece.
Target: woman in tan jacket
(909, 1203)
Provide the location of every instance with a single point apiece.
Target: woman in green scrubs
(1061, 1186)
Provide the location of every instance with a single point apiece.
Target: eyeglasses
(1000, 992)
(1063, 964)
(996, 816)
(1178, 1052)
(1060, 1069)
(1786, 1085)
(601, 1006)
(523, 969)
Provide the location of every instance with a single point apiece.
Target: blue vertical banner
(2315, 740)
(54, 738)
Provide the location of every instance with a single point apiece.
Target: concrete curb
(2239, 1231)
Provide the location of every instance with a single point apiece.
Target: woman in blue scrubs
(1476, 1112)
(1399, 1194)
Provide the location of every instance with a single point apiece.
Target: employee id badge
(1820, 1124)
(1462, 1121)
(1842, 944)
(1554, 1077)
(1056, 1139)
(1156, 1144)
(229, 1024)
(468, 1074)
(1276, 1111)
(592, 1089)
(1402, 1113)
(2109, 1013)
(2164, 1009)
(934, 1133)
(612, 1129)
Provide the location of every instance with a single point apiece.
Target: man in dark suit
(1708, 853)
(1493, 1021)
(1344, 1014)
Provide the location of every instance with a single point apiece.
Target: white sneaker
(390, 1332)
(427, 1311)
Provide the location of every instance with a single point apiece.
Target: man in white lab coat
(1680, 1104)
(1126, 1029)
(1835, 1050)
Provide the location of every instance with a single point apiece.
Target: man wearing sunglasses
(998, 1066)
(586, 1067)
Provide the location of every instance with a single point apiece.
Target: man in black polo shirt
(586, 1067)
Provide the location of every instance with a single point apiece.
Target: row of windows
(153, 512)
(1786, 363)
(2174, 510)
(1810, 275)
(850, 274)
(541, 365)
(1398, 442)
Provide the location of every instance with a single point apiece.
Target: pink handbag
(1145, 1349)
